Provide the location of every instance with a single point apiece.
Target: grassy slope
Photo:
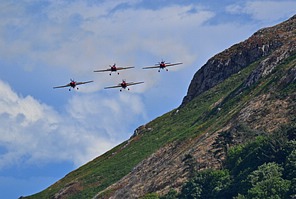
(195, 118)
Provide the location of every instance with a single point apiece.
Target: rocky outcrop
(280, 38)
(267, 65)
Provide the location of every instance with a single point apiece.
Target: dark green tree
(172, 194)
(207, 184)
(267, 182)
(290, 172)
(290, 166)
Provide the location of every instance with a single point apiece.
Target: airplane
(73, 84)
(162, 65)
(124, 85)
(114, 68)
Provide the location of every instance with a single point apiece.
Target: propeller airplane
(114, 68)
(73, 84)
(162, 65)
(124, 85)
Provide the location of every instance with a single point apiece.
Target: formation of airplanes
(123, 85)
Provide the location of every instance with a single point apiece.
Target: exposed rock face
(275, 112)
(279, 40)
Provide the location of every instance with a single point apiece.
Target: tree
(207, 184)
(267, 182)
(290, 166)
(290, 171)
(172, 194)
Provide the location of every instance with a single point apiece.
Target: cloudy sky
(45, 133)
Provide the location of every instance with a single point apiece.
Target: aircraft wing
(104, 70)
(133, 83)
(117, 86)
(173, 64)
(78, 83)
(148, 67)
(62, 86)
(123, 68)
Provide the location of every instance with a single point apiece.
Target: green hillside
(205, 114)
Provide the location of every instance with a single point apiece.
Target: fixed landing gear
(73, 88)
(124, 88)
(111, 73)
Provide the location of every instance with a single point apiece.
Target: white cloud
(265, 10)
(33, 132)
(77, 35)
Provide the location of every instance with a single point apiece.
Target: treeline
(262, 168)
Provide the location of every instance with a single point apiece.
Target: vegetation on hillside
(206, 113)
(262, 168)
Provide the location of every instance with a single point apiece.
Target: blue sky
(46, 133)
